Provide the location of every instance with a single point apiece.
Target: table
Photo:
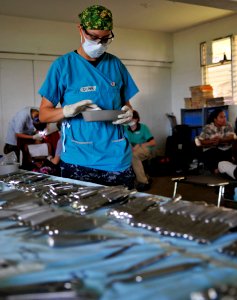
(102, 268)
(204, 180)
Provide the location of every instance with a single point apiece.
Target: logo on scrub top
(86, 89)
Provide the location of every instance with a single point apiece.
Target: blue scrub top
(99, 145)
(141, 135)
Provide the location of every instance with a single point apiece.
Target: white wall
(147, 55)
(11, 75)
(186, 69)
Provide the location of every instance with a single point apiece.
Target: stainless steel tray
(101, 115)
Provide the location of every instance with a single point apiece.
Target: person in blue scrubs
(84, 79)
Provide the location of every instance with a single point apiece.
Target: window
(221, 50)
(218, 60)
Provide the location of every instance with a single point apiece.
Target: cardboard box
(218, 101)
(190, 103)
(201, 88)
(201, 92)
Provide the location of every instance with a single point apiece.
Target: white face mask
(93, 49)
(132, 123)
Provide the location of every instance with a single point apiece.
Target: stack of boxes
(199, 96)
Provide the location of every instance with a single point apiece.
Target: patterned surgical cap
(96, 17)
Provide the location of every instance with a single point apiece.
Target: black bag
(179, 148)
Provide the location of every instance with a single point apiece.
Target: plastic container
(9, 168)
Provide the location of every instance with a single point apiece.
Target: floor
(164, 186)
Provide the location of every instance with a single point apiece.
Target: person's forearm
(151, 143)
(24, 136)
(129, 105)
(227, 139)
(55, 160)
(50, 114)
(208, 142)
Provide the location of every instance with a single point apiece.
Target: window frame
(205, 64)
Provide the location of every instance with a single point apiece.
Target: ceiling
(161, 15)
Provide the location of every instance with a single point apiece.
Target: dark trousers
(125, 178)
(11, 148)
(213, 156)
(21, 144)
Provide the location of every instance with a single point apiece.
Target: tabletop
(111, 243)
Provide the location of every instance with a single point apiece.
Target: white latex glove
(37, 137)
(74, 109)
(125, 117)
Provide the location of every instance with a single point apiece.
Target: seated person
(142, 143)
(35, 155)
(52, 164)
(23, 142)
(216, 139)
(55, 160)
(40, 158)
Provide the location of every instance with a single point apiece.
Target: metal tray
(101, 115)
